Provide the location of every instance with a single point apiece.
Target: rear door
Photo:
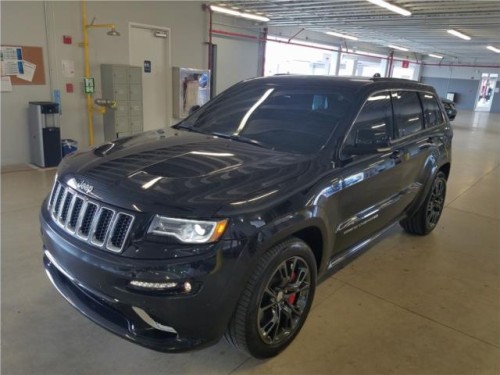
(414, 139)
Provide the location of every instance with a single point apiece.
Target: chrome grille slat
(68, 198)
(87, 220)
(61, 205)
(101, 226)
(119, 231)
(53, 193)
(57, 202)
(74, 214)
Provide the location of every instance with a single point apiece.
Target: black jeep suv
(223, 224)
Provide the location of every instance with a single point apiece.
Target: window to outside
(296, 120)
(373, 125)
(432, 113)
(407, 113)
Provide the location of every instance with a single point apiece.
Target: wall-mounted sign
(147, 66)
(88, 85)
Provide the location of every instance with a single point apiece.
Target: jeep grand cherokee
(223, 224)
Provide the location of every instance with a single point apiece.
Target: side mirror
(193, 109)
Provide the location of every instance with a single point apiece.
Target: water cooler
(45, 134)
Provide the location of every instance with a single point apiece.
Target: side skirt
(339, 261)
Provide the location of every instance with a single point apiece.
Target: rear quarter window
(408, 115)
(433, 115)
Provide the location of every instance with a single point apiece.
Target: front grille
(88, 220)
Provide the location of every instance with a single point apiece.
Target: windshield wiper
(189, 128)
(240, 138)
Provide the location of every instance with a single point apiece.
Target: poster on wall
(29, 71)
(11, 59)
(5, 84)
(191, 89)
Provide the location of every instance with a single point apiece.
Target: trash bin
(68, 146)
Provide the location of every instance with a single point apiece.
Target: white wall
(23, 23)
(14, 105)
(456, 72)
(237, 58)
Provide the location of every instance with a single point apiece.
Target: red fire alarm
(67, 39)
(69, 88)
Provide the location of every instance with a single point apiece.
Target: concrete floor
(409, 305)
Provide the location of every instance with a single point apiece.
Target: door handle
(396, 154)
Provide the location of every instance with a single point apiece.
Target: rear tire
(425, 219)
(276, 301)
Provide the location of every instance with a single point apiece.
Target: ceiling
(423, 32)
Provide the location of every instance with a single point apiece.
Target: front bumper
(97, 284)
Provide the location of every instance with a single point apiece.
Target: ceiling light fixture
(435, 56)
(237, 13)
(391, 7)
(491, 48)
(458, 34)
(399, 48)
(341, 35)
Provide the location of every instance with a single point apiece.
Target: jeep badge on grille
(84, 187)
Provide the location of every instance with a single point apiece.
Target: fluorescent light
(391, 7)
(435, 56)
(491, 48)
(341, 35)
(399, 48)
(236, 13)
(458, 34)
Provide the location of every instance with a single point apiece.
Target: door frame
(137, 25)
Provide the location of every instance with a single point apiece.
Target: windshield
(290, 119)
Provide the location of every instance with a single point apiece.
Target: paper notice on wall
(5, 84)
(29, 71)
(68, 68)
(11, 68)
(11, 53)
(12, 61)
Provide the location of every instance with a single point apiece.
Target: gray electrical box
(122, 83)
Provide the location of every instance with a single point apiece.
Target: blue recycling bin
(68, 146)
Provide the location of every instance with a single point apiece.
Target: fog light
(187, 286)
(150, 285)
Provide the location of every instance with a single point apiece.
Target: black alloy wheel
(276, 300)
(436, 202)
(283, 300)
(425, 219)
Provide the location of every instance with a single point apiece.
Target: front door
(369, 198)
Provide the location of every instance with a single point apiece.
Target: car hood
(184, 173)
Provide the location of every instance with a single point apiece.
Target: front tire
(427, 216)
(276, 301)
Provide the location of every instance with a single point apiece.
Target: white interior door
(147, 46)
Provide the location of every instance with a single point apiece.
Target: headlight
(188, 231)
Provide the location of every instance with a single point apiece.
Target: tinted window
(407, 113)
(297, 120)
(432, 113)
(373, 125)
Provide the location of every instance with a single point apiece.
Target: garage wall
(237, 58)
(24, 23)
(462, 80)
(14, 105)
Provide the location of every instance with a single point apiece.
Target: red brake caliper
(292, 297)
